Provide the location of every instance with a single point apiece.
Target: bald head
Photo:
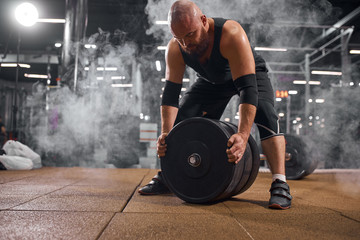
(189, 27)
(183, 11)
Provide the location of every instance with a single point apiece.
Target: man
(219, 51)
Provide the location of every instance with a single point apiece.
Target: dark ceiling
(109, 15)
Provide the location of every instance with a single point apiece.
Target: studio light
(118, 77)
(110, 69)
(158, 65)
(119, 85)
(93, 46)
(161, 22)
(270, 49)
(319, 100)
(333, 73)
(26, 14)
(50, 20)
(22, 65)
(354, 51)
(314, 82)
(41, 76)
(303, 82)
(161, 48)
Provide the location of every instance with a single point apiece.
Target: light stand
(27, 15)
(15, 96)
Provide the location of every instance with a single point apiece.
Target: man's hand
(161, 145)
(237, 145)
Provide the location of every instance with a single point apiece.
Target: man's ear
(203, 20)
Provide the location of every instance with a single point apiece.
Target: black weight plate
(295, 167)
(205, 182)
(197, 150)
(312, 165)
(238, 168)
(242, 172)
(255, 164)
(242, 169)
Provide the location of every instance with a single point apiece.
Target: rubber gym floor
(89, 203)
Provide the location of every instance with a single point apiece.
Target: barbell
(298, 162)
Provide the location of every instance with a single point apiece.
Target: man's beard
(200, 48)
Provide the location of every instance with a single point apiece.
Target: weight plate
(255, 165)
(297, 164)
(197, 138)
(196, 166)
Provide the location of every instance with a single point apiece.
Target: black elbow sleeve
(247, 87)
(170, 96)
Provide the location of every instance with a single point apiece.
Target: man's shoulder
(231, 27)
(232, 31)
(173, 48)
(233, 38)
(173, 52)
(172, 44)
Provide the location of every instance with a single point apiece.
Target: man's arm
(175, 68)
(235, 47)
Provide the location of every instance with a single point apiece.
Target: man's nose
(184, 42)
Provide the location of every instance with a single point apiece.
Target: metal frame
(320, 53)
(344, 38)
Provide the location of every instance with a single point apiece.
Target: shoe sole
(277, 206)
(144, 193)
(159, 193)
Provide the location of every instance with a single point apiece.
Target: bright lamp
(26, 14)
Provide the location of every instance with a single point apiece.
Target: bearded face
(192, 38)
(197, 46)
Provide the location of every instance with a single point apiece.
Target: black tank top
(217, 70)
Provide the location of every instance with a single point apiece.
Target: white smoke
(340, 136)
(94, 117)
(74, 124)
(280, 23)
(270, 12)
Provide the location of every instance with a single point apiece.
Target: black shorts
(205, 99)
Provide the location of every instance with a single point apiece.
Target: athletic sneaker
(155, 187)
(280, 195)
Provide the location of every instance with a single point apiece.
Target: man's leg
(273, 145)
(274, 150)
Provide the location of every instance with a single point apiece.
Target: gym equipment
(196, 167)
(298, 163)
